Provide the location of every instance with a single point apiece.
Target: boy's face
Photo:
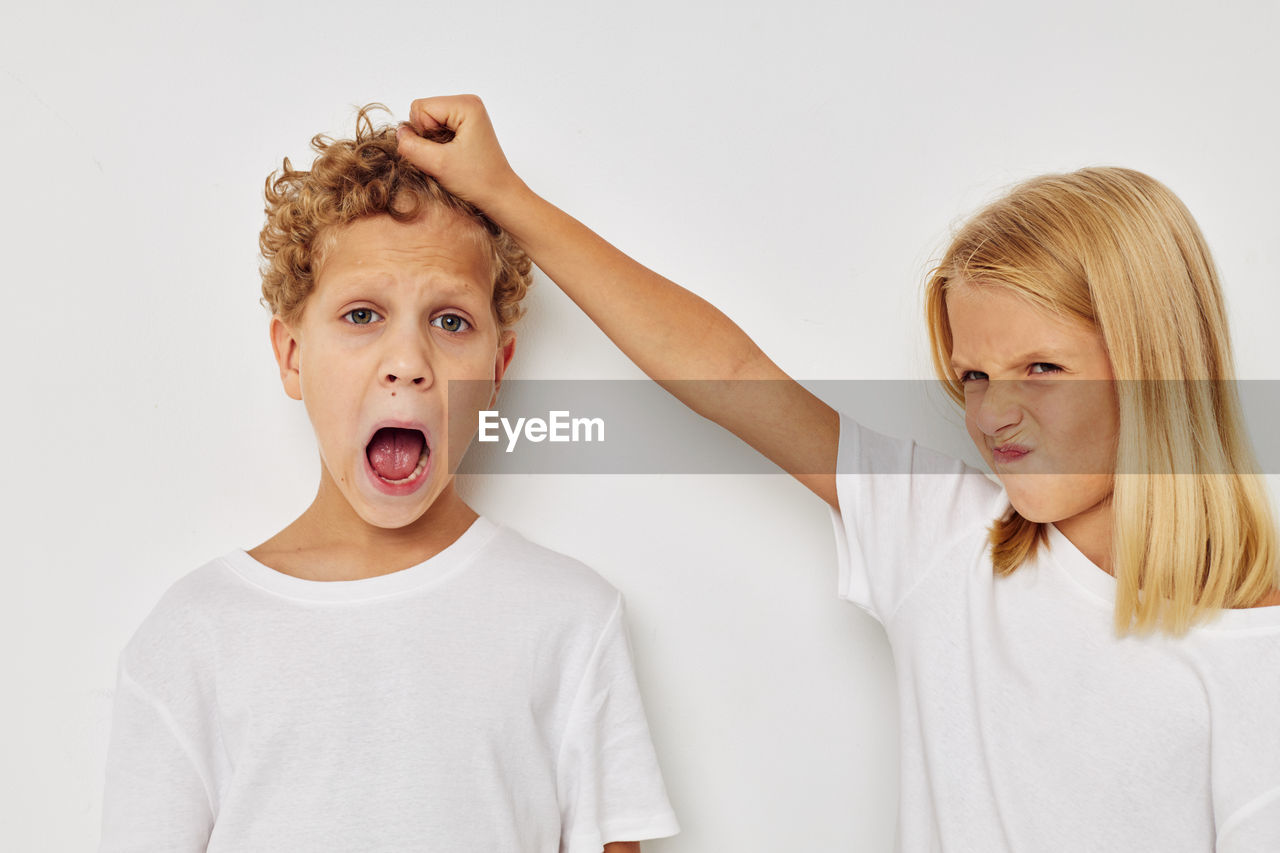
(397, 311)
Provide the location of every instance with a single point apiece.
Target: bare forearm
(669, 332)
(680, 340)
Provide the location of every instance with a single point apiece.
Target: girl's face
(1039, 403)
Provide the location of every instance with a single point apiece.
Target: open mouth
(398, 456)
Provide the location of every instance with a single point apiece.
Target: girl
(1087, 652)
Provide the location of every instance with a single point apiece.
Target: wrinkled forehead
(999, 325)
(452, 243)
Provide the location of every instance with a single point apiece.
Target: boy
(390, 671)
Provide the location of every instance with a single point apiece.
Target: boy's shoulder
(540, 588)
(545, 573)
(177, 634)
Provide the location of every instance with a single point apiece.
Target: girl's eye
(450, 323)
(1042, 367)
(361, 316)
(972, 376)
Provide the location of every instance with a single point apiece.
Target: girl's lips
(1009, 453)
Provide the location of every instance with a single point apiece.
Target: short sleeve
(609, 784)
(155, 797)
(903, 509)
(1254, 829)
(1244, 693)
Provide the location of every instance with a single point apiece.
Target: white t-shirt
(483, 700)
(1026, 724)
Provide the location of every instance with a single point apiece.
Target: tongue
(394, 452)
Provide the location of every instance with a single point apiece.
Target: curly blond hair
(354, 178)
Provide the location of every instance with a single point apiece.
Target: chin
(391, 513)
(1048, 512)
(1038, 517)
(1039, 511)
(389, 520)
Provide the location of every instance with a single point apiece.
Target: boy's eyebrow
(444, 285)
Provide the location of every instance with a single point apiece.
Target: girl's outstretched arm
(669, 332)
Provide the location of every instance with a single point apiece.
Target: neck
(330, 542)
(1090, 532)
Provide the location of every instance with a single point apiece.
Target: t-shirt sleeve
(903, 508)
(1253, 829)
(1245, 741)
(155, 797)
(609, 783)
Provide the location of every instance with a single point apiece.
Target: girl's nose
(999, 408)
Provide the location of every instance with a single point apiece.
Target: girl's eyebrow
(1033, 357)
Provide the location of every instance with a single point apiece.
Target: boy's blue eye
(361, 316)
(451, 323)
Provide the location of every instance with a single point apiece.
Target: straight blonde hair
(1192, 528)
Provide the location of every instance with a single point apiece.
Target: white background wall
(796, 163)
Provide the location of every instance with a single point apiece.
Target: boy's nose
(405, 379)
(406, 364)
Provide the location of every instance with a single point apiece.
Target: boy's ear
(285, 344)
(506, 349)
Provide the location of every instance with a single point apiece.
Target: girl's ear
(287, 348)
